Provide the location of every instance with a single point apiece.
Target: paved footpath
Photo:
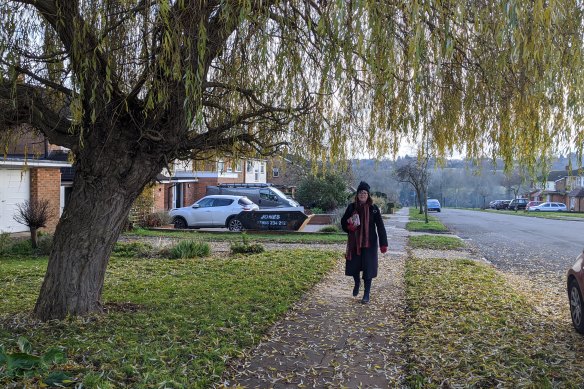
(329, 339)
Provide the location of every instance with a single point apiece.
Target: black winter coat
(367, 262)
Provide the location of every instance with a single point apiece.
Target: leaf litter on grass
(471, 325)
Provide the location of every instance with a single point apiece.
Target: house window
(238, 166)
(276, 172)
(262, 167)
(249, 166)
(220, 166)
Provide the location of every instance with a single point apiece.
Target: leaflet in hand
(354, 220)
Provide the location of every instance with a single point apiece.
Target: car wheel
(180, 222)
(234, 224)
(576, 307)
(438, 210)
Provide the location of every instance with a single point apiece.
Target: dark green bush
(330, 229)
(44, 244)
(5, 243)
(21, 247)
(190, 249)
(325, 191)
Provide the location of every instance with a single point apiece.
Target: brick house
(188, 181)
(285, 173)
(31, 170)
(562, 186)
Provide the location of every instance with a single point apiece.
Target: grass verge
(170, 323)
(435, 242)
(543, 215)
(282, 237)
(418, 223)
(467, 327)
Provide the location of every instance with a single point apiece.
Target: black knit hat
(363, 186)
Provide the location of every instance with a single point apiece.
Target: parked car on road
(213, 211)
(501, 204)
(575, 283)
(549, 207)
(532, 204)
(433, 205)
(517, 204)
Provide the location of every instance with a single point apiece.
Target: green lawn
(418, 222)
(467, 327)
(435, 242)
(171, 323)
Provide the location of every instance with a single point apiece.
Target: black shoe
(365, 299)
(356, 290)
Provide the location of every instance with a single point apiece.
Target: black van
(517, 204)
(264, 195)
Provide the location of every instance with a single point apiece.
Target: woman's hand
(383, 249)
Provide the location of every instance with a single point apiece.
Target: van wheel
(180, 223)
(234, 224)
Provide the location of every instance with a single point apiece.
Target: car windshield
(278, 192)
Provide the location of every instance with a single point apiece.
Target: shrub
(133, 249)
(34, 214)
(190, 249)
(245, 247)
(5, 243)
(21, 247)
(381, 203)
(324, 191)
(316, 210)
(142, 206)
(330, 229)
(156, 219)
(45, 244)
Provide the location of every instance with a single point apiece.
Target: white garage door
(14, 189)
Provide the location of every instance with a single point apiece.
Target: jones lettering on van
(274, 217)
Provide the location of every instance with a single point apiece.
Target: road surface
(518, 243)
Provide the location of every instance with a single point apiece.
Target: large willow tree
(130, 85)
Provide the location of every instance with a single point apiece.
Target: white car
(213, 211)
(549, 207)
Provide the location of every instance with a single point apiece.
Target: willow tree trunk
(102, 195)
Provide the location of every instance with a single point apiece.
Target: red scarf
(360, 237)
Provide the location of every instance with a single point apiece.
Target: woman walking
(362, 222)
